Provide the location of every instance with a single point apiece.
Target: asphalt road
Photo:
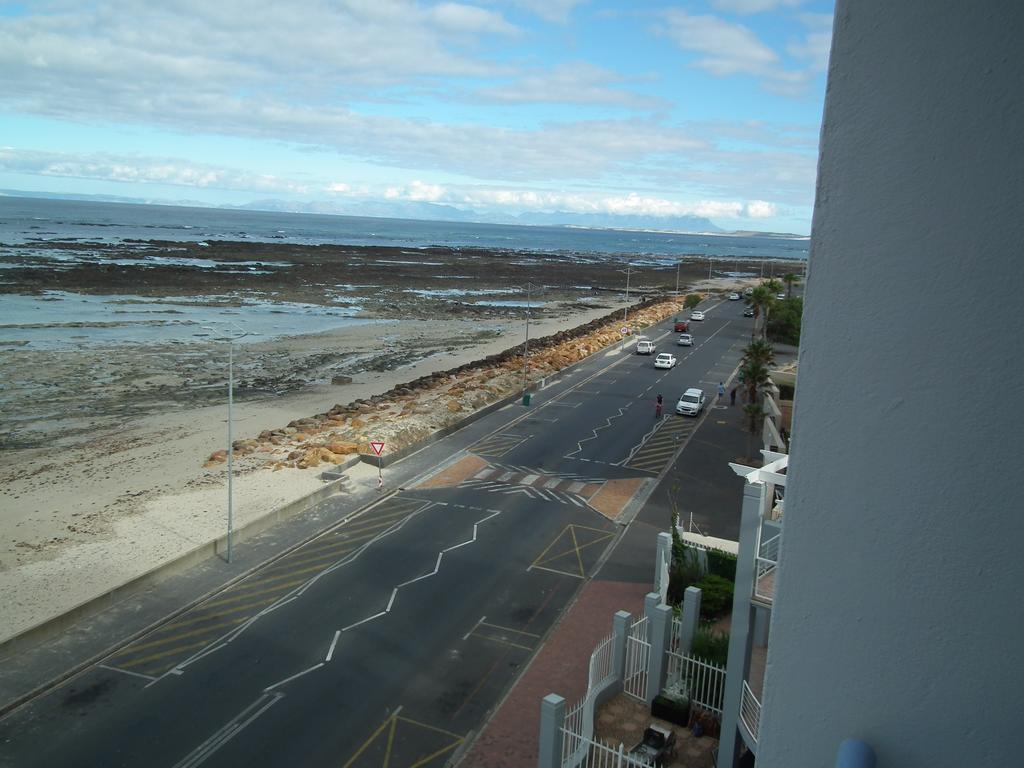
(389, 639)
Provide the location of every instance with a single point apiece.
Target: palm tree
(773, 285)
(754, 375)
(761, 299)
(790, 280)
(692, 300)
(759, 351)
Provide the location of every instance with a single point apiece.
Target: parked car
(691, 403)
(748, 312)
(696, 315)
(665, 360)
(657, 748)
(748, 291)
(685, 340)
(681, 326)
(734, 297)
(780, 296)
(645, 347)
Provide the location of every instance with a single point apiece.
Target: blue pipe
(854, 753)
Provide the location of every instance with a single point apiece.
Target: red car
(681, 326)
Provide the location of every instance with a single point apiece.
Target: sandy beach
(121, 471)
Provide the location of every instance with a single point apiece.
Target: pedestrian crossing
(511, 479)
(655, 452)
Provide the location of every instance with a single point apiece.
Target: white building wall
(899, 616)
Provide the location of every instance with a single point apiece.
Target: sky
(631, 107)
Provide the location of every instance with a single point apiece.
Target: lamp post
(526, 345)
(231, 439)
(709, 267)
(678, 264)
(625, 310)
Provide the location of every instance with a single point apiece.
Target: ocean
(26, 220)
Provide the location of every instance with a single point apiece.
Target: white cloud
(550, 10)
(817, 43)
(417, 191)
(632, 204)
(142, 170)
(759, 209)
(727, 49)
(456, 17)
(570, 83)
(338, 188)
(746, 7)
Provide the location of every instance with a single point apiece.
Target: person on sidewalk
(721, 390)
(732, 396)
(657, 407)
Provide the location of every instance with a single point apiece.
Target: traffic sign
(624, 330)
(378, 447)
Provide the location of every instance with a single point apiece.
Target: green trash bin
(526, 398)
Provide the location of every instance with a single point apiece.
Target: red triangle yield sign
(378, 447)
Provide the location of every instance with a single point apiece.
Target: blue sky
(653, 108)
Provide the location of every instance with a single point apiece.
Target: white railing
(703, 681)
(572, 730)
(638, 653)
(750, 712)
(600, 664)
(767, 559)
(663, 579)
(601, 755)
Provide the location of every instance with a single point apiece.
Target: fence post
(621, 623)
(552, 720)
(691, 617)
(662, 562)
(657, 665)
(651, 601)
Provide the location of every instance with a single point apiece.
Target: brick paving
(509, 740)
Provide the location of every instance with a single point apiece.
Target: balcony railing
(750, 712)
(764, 577)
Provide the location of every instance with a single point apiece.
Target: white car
(685, 340)
(691, 403)
(780, 296)
(734, 297)
(665, 360)
(645, 347)
(696, 315)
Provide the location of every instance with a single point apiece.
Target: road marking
(127, 672)
(508, 629)
(296, 676)
(334, 644)
(481, 621)
(235, 726)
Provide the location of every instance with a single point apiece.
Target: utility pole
(678, 264)
(709, 268)
(526, 346)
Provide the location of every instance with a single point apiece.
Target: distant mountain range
(407, 209)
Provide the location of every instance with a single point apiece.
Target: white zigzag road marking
(606, 425)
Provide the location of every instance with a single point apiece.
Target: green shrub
(711, 646)
(684, 572)
(784, 321)
(722, 564)
(716, 596)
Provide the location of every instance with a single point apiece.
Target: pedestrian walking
(657, 407)
(721, 389)
(732, 396)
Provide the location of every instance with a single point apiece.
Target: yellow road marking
(369, 741)
(576, 547)
(165, 654)
(391, 741)
(237, 597)
(554, 570)
(217, 614)
(181, 636)
(290, 574)
(438, 753)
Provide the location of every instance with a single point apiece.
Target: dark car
(748, 312)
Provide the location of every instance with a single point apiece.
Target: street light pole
(709, 268)
(231, 440)
(526, 346)
(678, 264)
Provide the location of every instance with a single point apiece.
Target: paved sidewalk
(509, 740)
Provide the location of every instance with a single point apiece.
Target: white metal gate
(638, 654)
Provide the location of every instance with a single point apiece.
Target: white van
(645, 347)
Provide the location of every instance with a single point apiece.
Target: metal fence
(600, 664)
(572, 730)
(704, 682)
(638, 654)
(750, 712)
(601, 755)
